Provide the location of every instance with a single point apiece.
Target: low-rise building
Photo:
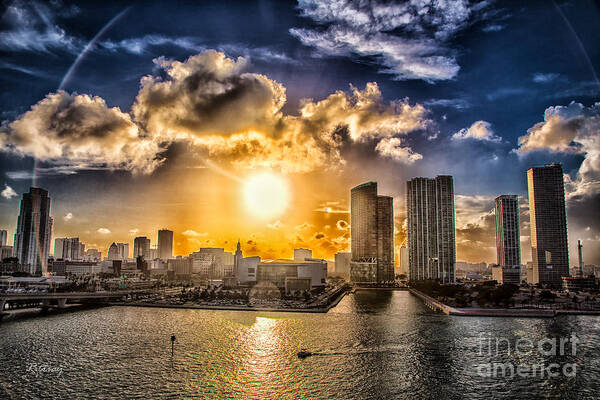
(246, 269)
(577, 284)
(293, 285)
(6, 252)
(181, 266)
(507, 275)
(342, 264)
(276, 271)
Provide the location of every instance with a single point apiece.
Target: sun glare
(266, 195)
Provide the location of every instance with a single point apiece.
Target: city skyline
(506, 209)
(309, 115)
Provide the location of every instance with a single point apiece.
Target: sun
(266, 195)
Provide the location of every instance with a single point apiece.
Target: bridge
(60, 299)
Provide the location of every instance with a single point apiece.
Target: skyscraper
(547, 213)
(68, 249)
(165, 244)
(141, 247)
(3, 237)
(508, 244)
(113, 252)
(123, 251)
(372, 235)
(403, 265)
(431, 232)
(34, 231)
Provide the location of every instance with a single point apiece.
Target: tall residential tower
(548, 216)
(165, 244)
(372, 235)
(34, 231)
(141, 247)
(508, 244)
(431, 229)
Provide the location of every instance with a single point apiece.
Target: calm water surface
(380, 345)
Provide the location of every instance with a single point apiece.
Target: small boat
(304, 353)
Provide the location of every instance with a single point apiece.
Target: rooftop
(287, 261)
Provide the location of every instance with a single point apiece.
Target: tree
(547, 296)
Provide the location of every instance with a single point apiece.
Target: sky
(252, 120)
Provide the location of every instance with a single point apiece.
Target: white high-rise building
(431, 229)
(68, 249)
(403, 261)
(342, 264)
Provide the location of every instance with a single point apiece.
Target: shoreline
(314, 310)
(496, 312)
(22, 313)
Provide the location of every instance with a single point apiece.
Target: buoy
(172, 344)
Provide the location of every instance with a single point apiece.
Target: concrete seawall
(486, 312)
(434, 304)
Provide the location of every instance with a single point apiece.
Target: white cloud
(77, 131)
(540, 77)
(393, 148)
(133, 231)
(8, 192)
(572, 129)
(505, 92)
(303, 226)
(421, 51)
(459, 104)
(275, 225)
(30, 26)
(193, 234)
(68, 216)
(493, 28)
(145, 44)
(103, 231)
(342, 225)
(142, 44)
(479, 130)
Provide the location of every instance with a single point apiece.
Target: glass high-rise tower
(34, 231)
(508, 244)
(372, 235)
(431, 229)
(141, 247)
(165, 244)
(548, 216)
